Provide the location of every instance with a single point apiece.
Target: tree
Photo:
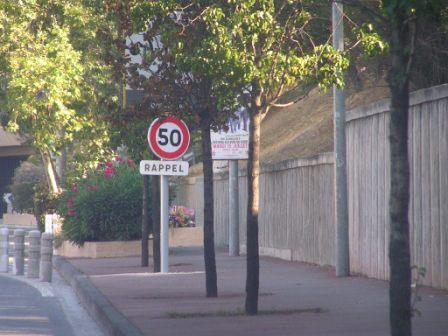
(54, 94)
(262, 48)
(174, 87)
(403, 17)
(145, 222)
(401, 39)
(155, 216)
(255, 49)
(398, 22)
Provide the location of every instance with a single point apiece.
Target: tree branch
(373, 14)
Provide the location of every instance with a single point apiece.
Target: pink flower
(131, 163)
(92, 187)
(70, 203)
(118, 158)
(74, 188)
(109, 172)
(71, 213)
(109, 164)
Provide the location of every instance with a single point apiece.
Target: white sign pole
(164, 229)
(234, 224)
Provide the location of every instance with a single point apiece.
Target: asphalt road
(24, 310)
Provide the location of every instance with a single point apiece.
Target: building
(12, 152)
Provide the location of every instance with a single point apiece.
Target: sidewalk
(343, 306)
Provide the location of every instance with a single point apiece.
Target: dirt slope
(306, 128)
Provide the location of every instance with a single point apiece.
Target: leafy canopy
(57, 83)
(257, 46)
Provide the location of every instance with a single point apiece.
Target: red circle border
(152, 132)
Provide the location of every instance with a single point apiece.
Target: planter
(189, 236)
(17, 219)
(178, 237)
(111, 249)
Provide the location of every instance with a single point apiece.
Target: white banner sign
(232, 144)
(170, 168)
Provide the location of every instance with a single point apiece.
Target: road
(24, 311)
(30, 307)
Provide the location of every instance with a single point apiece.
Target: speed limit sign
(168, 138)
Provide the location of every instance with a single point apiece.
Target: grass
(240, 312)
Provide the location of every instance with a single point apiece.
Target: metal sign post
(168, 139)
(233, 145)
(234, 213)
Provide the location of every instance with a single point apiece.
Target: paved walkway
(350, 306)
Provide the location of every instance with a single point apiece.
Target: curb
(98, 306)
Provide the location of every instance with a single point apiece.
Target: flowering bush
(181, 216)
(106, 205)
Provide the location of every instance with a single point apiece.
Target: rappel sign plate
(169, 168)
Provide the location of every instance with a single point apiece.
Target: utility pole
(234, 230)
(340, 166)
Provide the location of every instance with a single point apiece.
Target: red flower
(92, 187)
(71, 213)
(70, 203)
(74, 188)
(118, 158)
(109, 172)
(109, 164)
(131, 163)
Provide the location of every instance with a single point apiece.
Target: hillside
(306, 128)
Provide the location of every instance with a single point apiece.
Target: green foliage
(57, 84)
(259, 47)
(371, 41)
(25, 179)
(105, 206)
(412, 8)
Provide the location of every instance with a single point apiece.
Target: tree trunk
(61, 165)
(253, 176)
(209, 236)
(50, 172)
(155, 214)
(145, 220)
(399, 250)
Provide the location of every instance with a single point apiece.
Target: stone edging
(415, 98)
(99, 307)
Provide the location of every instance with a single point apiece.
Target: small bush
(105, 206)
(25, 179)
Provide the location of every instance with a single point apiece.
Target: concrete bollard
(46, 255)
(19, 256)
(33, 254)
(4, 246)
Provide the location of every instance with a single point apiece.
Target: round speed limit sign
(168, 138)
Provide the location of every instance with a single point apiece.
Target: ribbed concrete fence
(369, 180)
(297, 196)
